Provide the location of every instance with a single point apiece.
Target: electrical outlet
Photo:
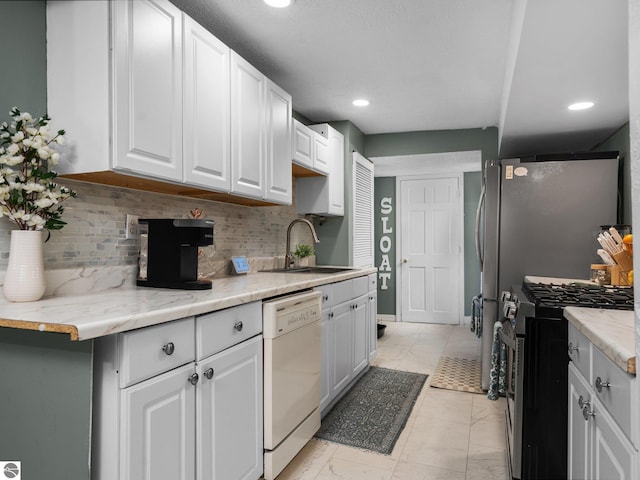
(131, 230)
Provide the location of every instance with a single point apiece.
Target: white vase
(24, 280)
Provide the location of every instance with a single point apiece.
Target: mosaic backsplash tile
(95, 232)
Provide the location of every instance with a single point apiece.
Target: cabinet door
(302, 144)
(362, 170)
(578, 427)
(157, 425)
(342, 346)
(372, 315)
(336, 175)
(360, 321)
(612, 456)
(278, 183)
(322, 160)
(147, 63)
(247, 128)
(326, 369)
(229, 406)
(207, 114)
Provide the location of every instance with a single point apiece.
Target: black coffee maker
(169, 252)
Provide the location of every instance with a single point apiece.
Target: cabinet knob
(582, 402)
(330, 314)
(208, 373)
(600, 384)
(238, 326)
(587, 412)
(169, 348)
(325, 298)
(572, 348)
(193, 379)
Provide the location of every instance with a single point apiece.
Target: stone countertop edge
(612, 331)
(94, 315)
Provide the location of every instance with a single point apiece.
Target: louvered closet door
(363, 255)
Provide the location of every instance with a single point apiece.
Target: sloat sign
(384, 270)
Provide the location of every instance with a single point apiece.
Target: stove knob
(505, 296)
(510, 310)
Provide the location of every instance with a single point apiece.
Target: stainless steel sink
(316, 269)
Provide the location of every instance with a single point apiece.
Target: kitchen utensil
(616, 235)
(606, 258)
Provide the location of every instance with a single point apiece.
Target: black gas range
(535, 336)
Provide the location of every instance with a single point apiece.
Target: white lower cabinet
(229, 413)
(346, 336)
(200, 419)
(601, 415)
(158, 431)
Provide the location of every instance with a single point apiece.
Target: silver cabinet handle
(587, 412)
(572, 348)
(238, 326)
(600, 384)
(208, 373)
(169, 348)
(193, 379)
(582, 402)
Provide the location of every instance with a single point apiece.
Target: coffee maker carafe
(169, 252)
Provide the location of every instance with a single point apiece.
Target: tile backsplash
(95, 232)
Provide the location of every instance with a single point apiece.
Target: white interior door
(431, 249)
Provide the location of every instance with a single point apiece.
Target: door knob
(405, 260)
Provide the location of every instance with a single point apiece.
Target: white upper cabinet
(260, 134)
(324, 195)
(247, 128)
(143, 90)
(278, 142)
(207, 112)
(309, 148)
(147, 62)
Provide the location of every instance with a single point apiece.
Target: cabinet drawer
(579, 350)
(216, 331)
(617, 397)
(327, 295)
(373, 282)
(360, 286)
(342, 292)
(150, 351)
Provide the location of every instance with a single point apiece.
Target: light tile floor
(449, 435)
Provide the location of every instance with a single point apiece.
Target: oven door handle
(507, 340)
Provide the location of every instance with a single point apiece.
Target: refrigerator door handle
(479, 251)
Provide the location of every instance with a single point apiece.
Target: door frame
(399, 253)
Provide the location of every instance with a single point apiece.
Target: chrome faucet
(287, 256)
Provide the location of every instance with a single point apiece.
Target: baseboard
(386, 318)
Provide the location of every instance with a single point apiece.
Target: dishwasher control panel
(289, 313)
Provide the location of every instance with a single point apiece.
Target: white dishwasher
(292, 359)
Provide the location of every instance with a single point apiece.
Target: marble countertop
(93, 315)
(612, 331)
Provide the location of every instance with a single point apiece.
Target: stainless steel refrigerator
(540, 218)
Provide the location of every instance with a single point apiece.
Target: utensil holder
(624, 260)
(619, 277)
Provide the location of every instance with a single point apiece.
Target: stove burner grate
(573, 295)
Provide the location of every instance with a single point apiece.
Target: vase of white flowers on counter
(30, 198)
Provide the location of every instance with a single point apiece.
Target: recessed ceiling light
(278, 3)
(580, 106)
(361, 102)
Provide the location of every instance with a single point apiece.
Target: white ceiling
(442, 64)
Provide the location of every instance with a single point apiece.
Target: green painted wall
(45, 408)
(385, 188)
(412, 143)
(335, 247)
(23, 76)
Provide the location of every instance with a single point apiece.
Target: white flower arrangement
(29, 197)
